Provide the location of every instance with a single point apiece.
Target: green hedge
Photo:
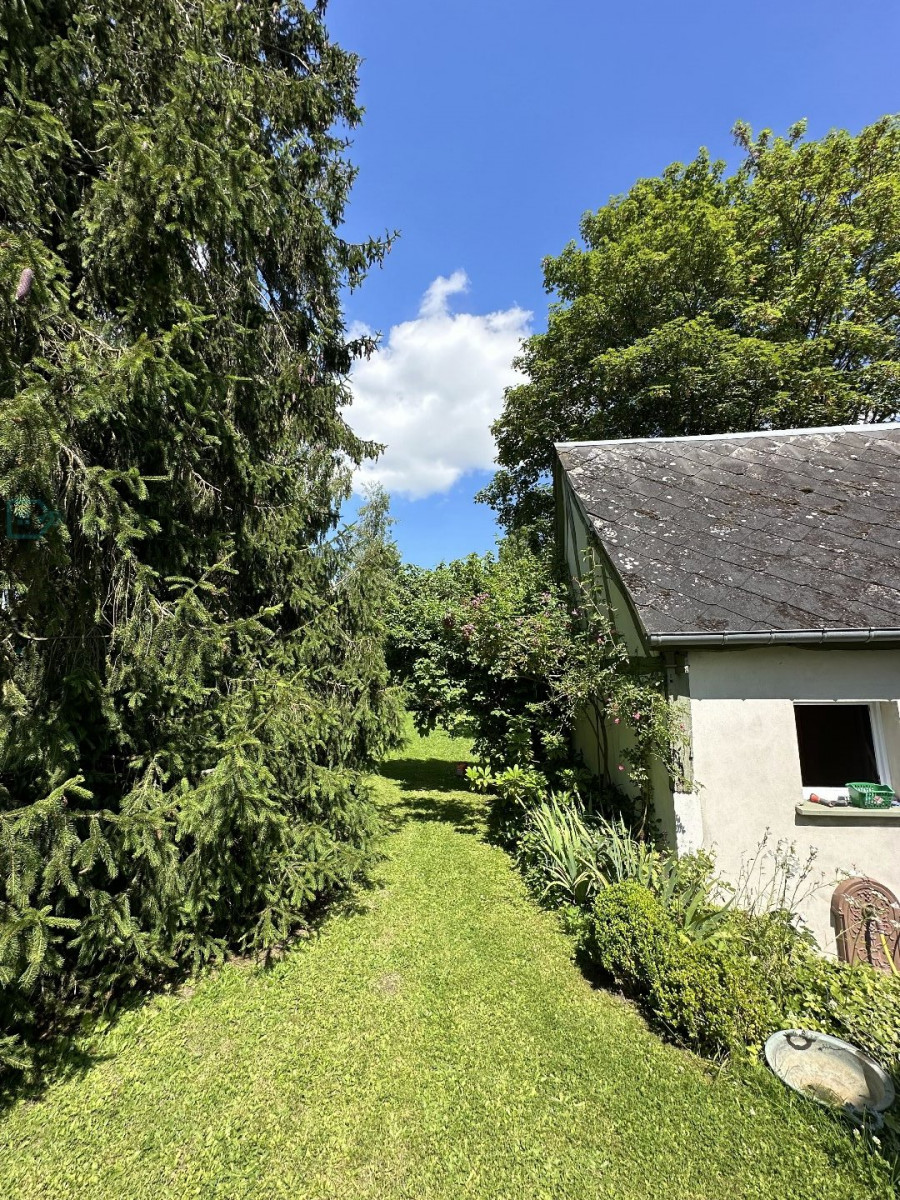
(709, 995)
(729, 994)
(855, 1003)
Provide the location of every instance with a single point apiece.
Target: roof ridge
(887, 426)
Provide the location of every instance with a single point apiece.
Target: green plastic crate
(870, 795)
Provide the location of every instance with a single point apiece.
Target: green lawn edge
(432, 1039)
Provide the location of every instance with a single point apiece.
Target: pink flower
(621, 768)
(637, 716)
(616, 721)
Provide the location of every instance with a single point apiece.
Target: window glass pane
(836, 744)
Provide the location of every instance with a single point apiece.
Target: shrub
(708, 995)
(689, 887)
(851, 1002)
(568, 852)
(502, 645)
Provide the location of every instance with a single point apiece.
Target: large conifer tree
(191, 657)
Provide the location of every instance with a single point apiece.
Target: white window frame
(878, 743)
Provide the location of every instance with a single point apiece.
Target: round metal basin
(832, 1072)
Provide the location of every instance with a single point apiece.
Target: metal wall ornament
(865, 915)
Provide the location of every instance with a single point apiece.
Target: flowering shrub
(496, 645)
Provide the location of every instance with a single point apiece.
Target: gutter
(784, 637)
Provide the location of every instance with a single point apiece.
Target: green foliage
(558, 852)
(851, 1002)
(446, 1013)
(192, 665)
(574, 854)
(568, 855)
(721, 978)
(691, 893)
(495, 645)
(706, 994)
(707, 303)
(621, 856)
(717, 977)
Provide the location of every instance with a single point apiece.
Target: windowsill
(805, 808)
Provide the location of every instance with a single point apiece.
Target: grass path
(435, 1043)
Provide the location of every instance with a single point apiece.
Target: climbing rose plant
(500, 647)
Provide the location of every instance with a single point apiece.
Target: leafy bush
(688, 889)
(851, 1002)
(708, 995)
(726, 987)
(568, 854)
(621, 856)
(498, 645)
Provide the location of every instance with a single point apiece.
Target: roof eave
(770, 637)
(639, 625)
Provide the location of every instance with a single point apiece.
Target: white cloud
(432, 390)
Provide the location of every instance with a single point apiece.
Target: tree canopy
(191, 654)
(703, 302)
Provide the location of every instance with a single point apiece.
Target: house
(762, 571)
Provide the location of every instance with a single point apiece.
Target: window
(839, 743)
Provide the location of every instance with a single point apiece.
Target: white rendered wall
(747, 764)
(604, 747)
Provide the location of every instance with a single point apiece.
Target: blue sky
(491, 126)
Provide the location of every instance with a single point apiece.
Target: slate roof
(792, 533)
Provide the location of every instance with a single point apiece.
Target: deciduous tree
(703, 302)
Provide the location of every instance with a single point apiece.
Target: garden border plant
(501, 647)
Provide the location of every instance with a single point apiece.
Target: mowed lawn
(437, 1041)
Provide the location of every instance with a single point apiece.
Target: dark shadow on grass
(460, 815)
(417, 780)
(56, 1061)
(424, 774)
(64, 1053)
